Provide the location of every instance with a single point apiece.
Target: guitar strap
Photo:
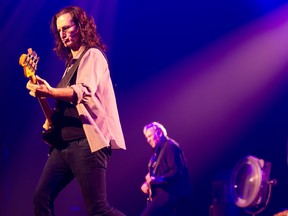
(159, 157)
(69, 74)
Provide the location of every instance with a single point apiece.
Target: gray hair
(156, 126)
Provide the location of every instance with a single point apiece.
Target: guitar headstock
(29, 63)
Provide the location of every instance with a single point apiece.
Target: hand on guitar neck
(29, 63)
(39, 90)
(149, 178)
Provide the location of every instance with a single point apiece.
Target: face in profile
(153, 136)
(68, 31)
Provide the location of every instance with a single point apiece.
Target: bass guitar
(29, 63)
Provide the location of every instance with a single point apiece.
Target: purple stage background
(215, 73)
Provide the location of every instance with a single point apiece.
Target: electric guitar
(29, 63)
(151, 166)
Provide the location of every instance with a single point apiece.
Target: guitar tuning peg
(37, 59)
(34, 54)
(30, 51)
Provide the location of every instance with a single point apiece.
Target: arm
(43, 89)
(90, 71)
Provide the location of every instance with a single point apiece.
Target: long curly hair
(86, 26)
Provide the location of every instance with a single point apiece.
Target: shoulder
(95, 53)
(172, 145)
(172, 142)
(96, 50)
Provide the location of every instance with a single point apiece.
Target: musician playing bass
(86, 116)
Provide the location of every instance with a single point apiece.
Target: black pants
(162, 204)
(75, 160)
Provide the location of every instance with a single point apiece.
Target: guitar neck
(45, 108)
(43, 103)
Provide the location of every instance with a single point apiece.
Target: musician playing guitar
(167, 182)
(146, 187)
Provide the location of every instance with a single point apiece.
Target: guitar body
(52, 136)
